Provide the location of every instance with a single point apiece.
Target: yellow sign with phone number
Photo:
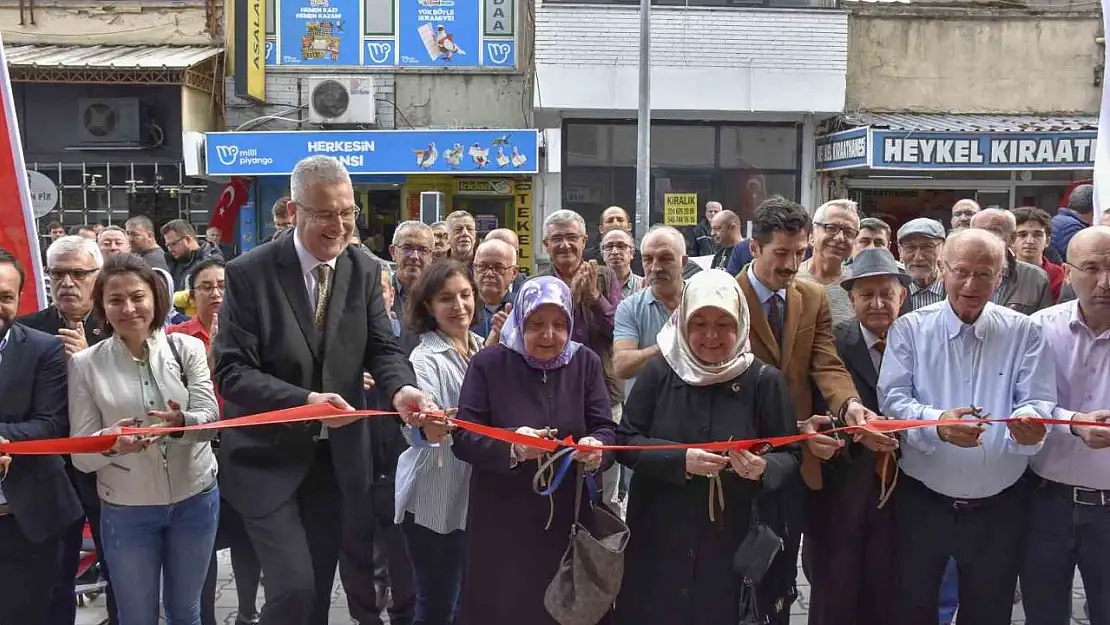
(680, 209)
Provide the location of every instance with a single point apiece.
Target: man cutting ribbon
(962, 491)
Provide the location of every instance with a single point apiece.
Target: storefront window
(90, 193)
(1047, 199)
(738, 165)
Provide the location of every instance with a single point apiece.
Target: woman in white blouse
(432, 485)
(160, 503)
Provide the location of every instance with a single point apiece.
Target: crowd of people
(819, 327)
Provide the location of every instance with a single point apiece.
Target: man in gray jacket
(1024, 287)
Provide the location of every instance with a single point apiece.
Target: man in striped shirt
(920, 242)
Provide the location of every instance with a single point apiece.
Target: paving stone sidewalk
(94, 613)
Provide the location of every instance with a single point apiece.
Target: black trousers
(28, 572)
(63, 603)
(1065, 534)
(384, 558)
(244, 564)
(298, 546)
(985, 537)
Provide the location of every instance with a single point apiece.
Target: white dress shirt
(1082, 361)
(934, 362)
(309, 263)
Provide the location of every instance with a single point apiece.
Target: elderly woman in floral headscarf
(689, 510)
(536, 382)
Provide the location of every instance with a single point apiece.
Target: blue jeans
(1064, 535)
(949, 593)
(438, 561)
(145, 545)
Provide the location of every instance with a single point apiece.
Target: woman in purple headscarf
(537, 382)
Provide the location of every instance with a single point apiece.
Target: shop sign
(955, 151)
(522, 202)
(375, 151)
(486, 187)
(680, 209)
(842, 150)
(990, 151)
(249, 57)
(423, 33)
(44, 193)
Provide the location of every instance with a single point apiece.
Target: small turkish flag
(226, 211)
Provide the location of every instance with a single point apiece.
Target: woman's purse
(590, 573)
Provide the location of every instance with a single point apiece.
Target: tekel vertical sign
(18, 231)
(522, 194)
(250, 49)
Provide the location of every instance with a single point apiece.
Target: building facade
(737, 90)
(428, 103)
(952, 100)
(103, 94)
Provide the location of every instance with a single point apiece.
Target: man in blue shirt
(962, 492)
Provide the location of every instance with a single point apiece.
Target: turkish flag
(18, 231)
(226, 211)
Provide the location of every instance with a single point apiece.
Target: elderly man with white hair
(950, 362)
(495, 272)
(1024, 287)
(835, 228)
(302, 319)
(413, 250)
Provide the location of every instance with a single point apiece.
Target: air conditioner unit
(112, 121)
(341, 100)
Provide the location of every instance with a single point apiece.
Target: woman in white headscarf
(689, 510)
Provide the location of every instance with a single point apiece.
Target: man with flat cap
(920, 242)
(852, 570)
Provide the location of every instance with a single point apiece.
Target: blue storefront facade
(899, 166)
(486, 172)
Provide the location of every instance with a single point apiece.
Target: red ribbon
(324, 412)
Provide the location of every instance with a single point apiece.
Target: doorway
(489, 212)
(380, 215)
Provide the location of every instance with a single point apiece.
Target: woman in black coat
(704, 386)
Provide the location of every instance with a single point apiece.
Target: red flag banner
(18, 231)
(226, 211)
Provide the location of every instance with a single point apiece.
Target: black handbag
(756, 553)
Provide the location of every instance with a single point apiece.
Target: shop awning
(194, 66)
(959, 142)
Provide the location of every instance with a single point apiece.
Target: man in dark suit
(301, 320)
(73, 263)
(37, 502)
(850, 518)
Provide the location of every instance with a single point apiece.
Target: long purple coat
(511, 558)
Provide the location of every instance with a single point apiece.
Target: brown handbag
(590, 573)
